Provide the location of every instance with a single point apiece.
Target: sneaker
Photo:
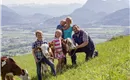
(54, 74)
(95, 53)
(74, 64)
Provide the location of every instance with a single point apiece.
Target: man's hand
(76, 47)
(37, 60)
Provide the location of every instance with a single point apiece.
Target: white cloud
(42, 1)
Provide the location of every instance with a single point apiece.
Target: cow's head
(2, 62)
(70, 44)
(45, 48)
(24, 75)
(51, 45)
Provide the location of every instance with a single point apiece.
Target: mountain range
(94, 11)
(49, 9)
(120, 17)
(9, 16)
(107, 6)
(102, 12)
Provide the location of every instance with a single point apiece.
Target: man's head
(76, 28)
(39, 34)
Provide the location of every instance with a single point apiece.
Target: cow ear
(50, 43)
(3, 63)
(65, 40)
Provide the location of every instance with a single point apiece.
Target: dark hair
(75, 25)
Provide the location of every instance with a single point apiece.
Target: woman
(68, 28)
(67, 31)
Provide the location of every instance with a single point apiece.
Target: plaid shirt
(36, 44)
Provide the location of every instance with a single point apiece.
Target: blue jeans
(44, 60)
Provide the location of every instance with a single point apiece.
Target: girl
(58, 50)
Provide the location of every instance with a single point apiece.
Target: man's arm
(82, 45)
(85, 40)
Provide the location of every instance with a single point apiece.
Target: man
(39, 57)
(85, 44)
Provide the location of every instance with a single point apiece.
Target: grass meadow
(113, 63)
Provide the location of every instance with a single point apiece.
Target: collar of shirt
(40, 40)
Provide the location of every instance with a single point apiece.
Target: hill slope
(9, 16)
(107, 6)
(111, 64)
(120, 17)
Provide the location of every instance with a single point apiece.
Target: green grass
(113, 63)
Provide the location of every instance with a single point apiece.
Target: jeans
(44, 60)
(87, 51)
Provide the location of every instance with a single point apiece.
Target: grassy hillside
(113, 63)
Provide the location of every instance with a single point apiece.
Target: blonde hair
(58, 30)
(69, 19)
(63, 20)
(38, 31)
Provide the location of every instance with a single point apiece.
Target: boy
(39, 57)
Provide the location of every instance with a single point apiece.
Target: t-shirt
(58, 48)
(57, 45)
(59, 27)
(68, 32)
(36, 44)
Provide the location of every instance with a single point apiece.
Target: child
(39, 57)
(58, 50)
(61, 26)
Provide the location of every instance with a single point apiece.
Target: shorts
(59, 55)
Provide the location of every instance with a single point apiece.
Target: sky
(7, 2)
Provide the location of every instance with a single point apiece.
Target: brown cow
(64, 48)
(9, 68)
